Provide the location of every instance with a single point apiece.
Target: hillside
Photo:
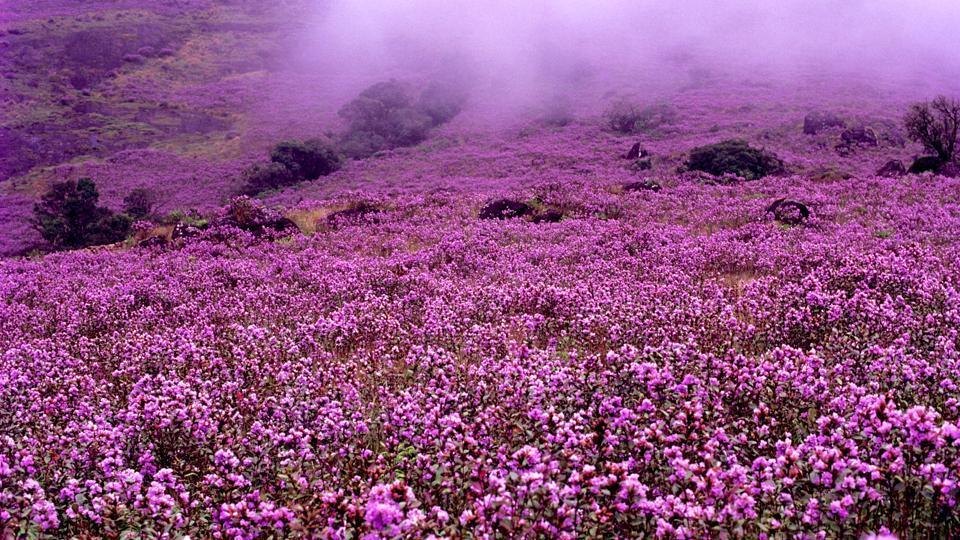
(633, 348)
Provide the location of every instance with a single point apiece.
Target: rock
(505, 209)
(134, 58)
(829, 174)
(641, 165)
(789, 212)
(892, 169)
(355, 214)
(951, 169)
(182, 230)
(889, 132)
(248, 215)
(283, 225)
(636, 152)
(925, 164)
(643, 185)
(843, 150)
(152, 241)
(862, 136)
(816, 122)
(550, 216)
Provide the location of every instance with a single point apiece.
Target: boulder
(892, 169)
(505, 209)
(248, 215)
(183, 230)
(152, 241)
(925, 164)
(788, 212)
(550, 216)
(950, 169)
(862, 136)
(816, 122)
(643, 185)
(641, 165)
(636, 152)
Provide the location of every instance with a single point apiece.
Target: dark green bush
(262, 177)
(384, 116)
(406, 127)
(307, 160)
(734, 157)
(558, 112)
(442, 102)
(68, 217)
(391, 94)
(361, 144)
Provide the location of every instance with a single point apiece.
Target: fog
(526, 50)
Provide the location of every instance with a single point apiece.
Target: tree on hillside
(68, 217)
(935, 125)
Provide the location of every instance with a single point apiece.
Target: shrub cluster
(386, 116)
(291, 162)
(734, 157)
(382, 117)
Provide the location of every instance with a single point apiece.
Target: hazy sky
(522, 47)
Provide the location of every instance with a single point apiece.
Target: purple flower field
(638, 349)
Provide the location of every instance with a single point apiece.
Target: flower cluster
(673, 363)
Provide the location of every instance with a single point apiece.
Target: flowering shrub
(640, 354)
(689, 369)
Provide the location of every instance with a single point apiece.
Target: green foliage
(68, 217)
(935, 125)
(361, 144)
(384, 116)
(306, 160)
(190, 218)
(291, 162)
(734, 157)
(261, 177)
(441, 102)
